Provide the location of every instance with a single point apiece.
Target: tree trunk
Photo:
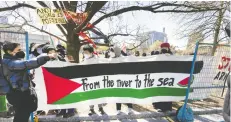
(73, 47)
(217, 29)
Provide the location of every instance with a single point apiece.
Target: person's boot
(92, 112)
(70, 113)
(61, 113)
(51, 112)
(41, 113)
(130, 111)
(101, 110)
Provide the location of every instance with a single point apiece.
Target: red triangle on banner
(57, 87)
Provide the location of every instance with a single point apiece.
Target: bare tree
(210, 25)
(102, 10)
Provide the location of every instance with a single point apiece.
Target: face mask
(164, 51)
(39, 50)
(112, 54)
(20, 55)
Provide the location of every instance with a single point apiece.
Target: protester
(144, 54)
(107, 54)
(137, 53)
(164, 106)
(226, 107)
(155, 52)
(61, 51)
(165, 48)
(115, 52)
(35, 50)
(65, 113)
(22, 94)
(123, 53)
(88, 52)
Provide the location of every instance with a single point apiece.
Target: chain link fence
(209, 83)
(209, 86)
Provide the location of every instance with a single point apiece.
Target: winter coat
(16, 70)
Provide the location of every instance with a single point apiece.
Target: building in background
(151, 37)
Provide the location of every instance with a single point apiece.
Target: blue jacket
(16, 70)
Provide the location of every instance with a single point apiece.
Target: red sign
(76, 17)
(225, 63)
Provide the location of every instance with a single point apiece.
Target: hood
(117, 51)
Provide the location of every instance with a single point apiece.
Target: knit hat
(47, 48)
(165, 45)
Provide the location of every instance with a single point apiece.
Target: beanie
(165, 45)
(47, 48)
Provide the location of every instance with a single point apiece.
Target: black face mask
(20, 55)
(163, 51)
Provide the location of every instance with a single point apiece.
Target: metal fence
(209, 86)
(211, 81)
(203, 89)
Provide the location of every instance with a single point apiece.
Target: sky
(146, 20)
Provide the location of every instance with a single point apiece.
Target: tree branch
(42, 4)
(41, 30)
(119, 34)
(96, 6)
(73, 5)
(138, 45)
(89, 3)
(62, 30)
(66, 5)
(154, 10)
(56, 4)
(98, 44)
(19, 5)
(61, 4)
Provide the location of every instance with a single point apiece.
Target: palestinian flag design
(78, 83)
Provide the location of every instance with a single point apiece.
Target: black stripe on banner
(78, 71)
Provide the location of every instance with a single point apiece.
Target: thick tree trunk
(73, 48)
(73, 45)
(217, 29)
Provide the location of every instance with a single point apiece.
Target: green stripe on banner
(122, 92)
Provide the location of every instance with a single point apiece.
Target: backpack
(188, 114)
(5, 85)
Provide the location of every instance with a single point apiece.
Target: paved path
(110, 109)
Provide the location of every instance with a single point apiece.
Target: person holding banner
(22, 94)
(88, 53)
(115, 52)
(164, 106)
(137, 53)
(50, 49)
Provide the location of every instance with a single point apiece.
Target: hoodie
(117, 51)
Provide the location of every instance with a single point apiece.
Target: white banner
(138, 80)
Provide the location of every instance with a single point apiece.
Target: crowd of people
(22, 94)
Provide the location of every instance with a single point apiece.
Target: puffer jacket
(16, 70)
(226, 107)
